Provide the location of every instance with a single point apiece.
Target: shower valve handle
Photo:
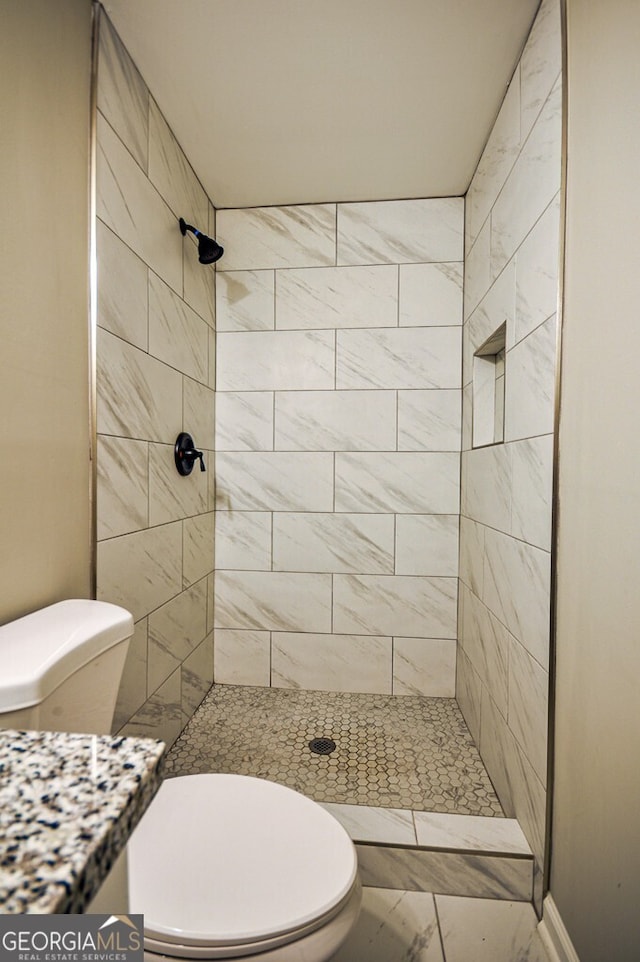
(186, 454)
(192, 455)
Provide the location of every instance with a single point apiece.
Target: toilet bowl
(221, 866)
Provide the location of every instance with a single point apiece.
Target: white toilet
(221, 866)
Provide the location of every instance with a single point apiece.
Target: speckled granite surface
(68, 804)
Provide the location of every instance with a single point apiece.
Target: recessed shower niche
(488, 389)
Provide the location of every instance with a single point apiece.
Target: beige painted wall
(595, 868)
(45, 60)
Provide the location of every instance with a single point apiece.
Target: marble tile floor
(407, 752)
(421, 927)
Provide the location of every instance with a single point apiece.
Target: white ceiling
(300, 101)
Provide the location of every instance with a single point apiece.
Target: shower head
(208, 250)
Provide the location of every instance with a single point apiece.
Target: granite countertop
(68, 804)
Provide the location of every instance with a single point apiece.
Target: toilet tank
(60, 667)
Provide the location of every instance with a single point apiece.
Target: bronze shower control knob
(186, 455)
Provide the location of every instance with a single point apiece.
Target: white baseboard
(553, 934)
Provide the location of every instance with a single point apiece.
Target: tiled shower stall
(370, 535)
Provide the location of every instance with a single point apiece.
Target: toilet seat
(231, 865)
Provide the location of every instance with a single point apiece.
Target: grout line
(440, 935)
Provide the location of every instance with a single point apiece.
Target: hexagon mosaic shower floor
(391, 752)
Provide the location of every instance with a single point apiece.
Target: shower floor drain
(322, 746)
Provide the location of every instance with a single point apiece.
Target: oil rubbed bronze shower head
(209, 250)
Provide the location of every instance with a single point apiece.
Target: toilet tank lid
(39, 651)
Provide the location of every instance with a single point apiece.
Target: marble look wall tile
(243, 540)
(497, 159)
(177, 335)
(172, 175)
(175, 629)
(199, 284)
(401, 231)
(468, 693)
(197, 675)
(487, 644)
(244, 421)
(485, 393)
(199, 413)
(521, 793)
(532, 464)
(132, 693)
(276, 361)
(130, 205)
(359, 543)
(122, 291)
(407, 483)
(531, 186)
(141, 571)
(386, 605)
(467, 417)
(489, 930)
(394, 927)
(287, 481)
(530, 384)
(245, 300)
(471, 554)
(210, 457)
(430, 295)
(427, 544)
(470, 832)
(335, 421)
(541, 63)
(242, 657)
(268, 237)
(334, 297)
(123, 97)
(366, 824)
(498, 417)
(211, 375)
(517, 590)
(496, 307)
(537, 273)
(197, 547)
(429, 420)
(487, 486)
(137, 396)
(172, 496)
(161, 716)
(529, 707)
(403, 358)
(123, 486)
(273, 600)
(331, 662)
(480, 876)
(477, 270)
(496, 744)
(424, 666)
(210, 600)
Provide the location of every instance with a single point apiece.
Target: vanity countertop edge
(68, 805)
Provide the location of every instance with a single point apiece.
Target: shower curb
(392, 853)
